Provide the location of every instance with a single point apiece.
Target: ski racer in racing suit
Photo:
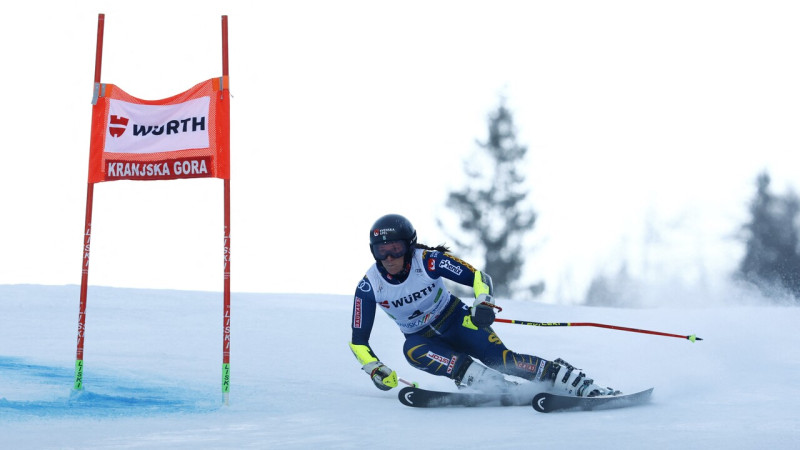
(443, 335)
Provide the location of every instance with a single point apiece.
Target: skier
(443, 336)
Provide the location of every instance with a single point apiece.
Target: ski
(545, 402)
(423, 398)
(542, 402)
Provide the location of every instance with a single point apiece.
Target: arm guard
(363, 353)
(482, 284)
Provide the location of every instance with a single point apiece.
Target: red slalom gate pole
(690, 337)
(226, 324)
(87, 236)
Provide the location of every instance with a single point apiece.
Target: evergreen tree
(771, 258)
(618, 291)
(491, 207)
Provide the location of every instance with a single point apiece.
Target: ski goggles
(395, 249)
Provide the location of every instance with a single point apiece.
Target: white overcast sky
(638, 115)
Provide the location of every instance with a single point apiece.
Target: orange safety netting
(184, 136)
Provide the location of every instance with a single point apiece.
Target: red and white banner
(184, 136)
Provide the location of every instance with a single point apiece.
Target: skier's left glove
(483, 307)
(483, 311)
(383, 377)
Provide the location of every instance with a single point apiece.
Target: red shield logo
(117, 125)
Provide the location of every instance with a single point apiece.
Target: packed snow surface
(153, 358)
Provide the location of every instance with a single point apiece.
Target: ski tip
(539, 403)
(406, 396)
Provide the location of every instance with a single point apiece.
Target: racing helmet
(392, 235)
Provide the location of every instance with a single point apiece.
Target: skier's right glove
(383, 377)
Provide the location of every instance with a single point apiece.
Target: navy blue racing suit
(439, 337)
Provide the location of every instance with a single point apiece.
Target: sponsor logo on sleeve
(447, 265)
(357, 313)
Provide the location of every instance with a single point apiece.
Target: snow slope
(153, 367)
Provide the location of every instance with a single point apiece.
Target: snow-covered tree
(492, 207)
(771, 257)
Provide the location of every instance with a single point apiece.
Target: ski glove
(483, 311)
(383, 377)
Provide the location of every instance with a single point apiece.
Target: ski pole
(410, 383)
(690, 337)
